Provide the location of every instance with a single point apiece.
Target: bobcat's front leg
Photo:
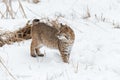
(65, 51)
(65, 56)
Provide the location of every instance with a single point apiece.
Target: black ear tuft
(36, 20)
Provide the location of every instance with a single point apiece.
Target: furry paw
(41, 55)
(33, 55)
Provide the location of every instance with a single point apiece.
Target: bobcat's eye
(66, 37)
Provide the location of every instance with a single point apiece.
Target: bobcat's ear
(58, 26)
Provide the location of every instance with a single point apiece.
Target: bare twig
(7, 69)
(87, 14)
(2, 15)
(8, 10)
(22, 9)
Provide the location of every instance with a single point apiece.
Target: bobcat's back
(45, 35)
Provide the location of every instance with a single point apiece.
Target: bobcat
(61, 38)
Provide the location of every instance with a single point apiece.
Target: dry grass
(10, 13)
(6, 69)
(16, 36)
(88, 15)
(21, 34)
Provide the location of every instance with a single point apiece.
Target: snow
(95, 54)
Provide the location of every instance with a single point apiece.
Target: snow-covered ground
(96, 51)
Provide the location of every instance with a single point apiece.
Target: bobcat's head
(65, 33)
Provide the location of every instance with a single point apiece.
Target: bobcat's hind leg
(38, 52)
(32, 49)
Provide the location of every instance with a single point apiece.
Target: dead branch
(24, 15)
(7, 69)
(16, 36)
